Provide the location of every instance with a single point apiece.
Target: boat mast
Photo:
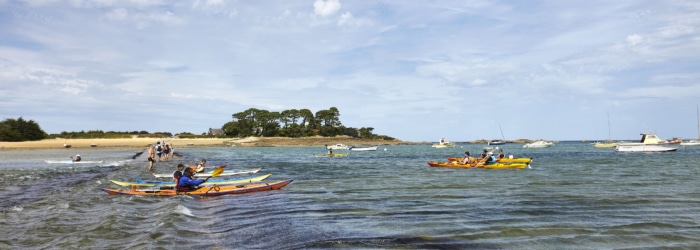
(609, 126)
(504, 138)
(697, 109)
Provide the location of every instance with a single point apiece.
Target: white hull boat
(373, 148)
(538, 144)
(444, 144)
(648, 143)
(337, 146)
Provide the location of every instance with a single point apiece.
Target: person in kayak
(200, 167)
(501, 155)
(178, 173)
(467, 159)
(186, 183)
(76, 159)
(490, 159)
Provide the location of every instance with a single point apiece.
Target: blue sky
(414, 70)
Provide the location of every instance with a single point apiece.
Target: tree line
(294, 123)
(251, 122)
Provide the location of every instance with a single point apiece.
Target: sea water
(574, 196)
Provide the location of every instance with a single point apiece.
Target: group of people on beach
(162, 151)
(485, 157)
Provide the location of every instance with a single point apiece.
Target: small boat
(694, 142)
(361, 148)
(225, 173)
(538, 144)
(331, 155)
(497, 142)
(606, 144)
(66, 145)
(479, 165)
(444, 144)
(337, 146)
(203, 191)
(690, 143)
(504, 160)
(648, 143)
(211, 182)
(72, 162)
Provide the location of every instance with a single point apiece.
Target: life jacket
(159, 148)
(179, 188)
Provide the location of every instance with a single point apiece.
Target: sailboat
(498, 142)
(608, 143)
(694, 142)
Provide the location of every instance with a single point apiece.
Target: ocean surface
(574, 196)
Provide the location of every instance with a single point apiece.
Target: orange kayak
(204, 191)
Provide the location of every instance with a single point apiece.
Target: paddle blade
(218, 171)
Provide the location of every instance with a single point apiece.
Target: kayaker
(490, 159)
(501, 155)
(483, 155)
(200, 167)
(178, 173)
(467, 159)
(186, 183)
(330, 151)
(77, 158)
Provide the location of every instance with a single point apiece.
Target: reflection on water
(574, 196)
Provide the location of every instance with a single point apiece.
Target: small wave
(183, 210)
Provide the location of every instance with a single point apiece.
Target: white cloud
(326, 7)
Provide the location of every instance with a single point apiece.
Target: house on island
(215, 131)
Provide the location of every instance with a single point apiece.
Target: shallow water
(574, 197)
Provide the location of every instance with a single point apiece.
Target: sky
(413, 70)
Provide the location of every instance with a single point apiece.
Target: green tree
(21, 130)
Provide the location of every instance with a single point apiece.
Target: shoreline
(195, 142)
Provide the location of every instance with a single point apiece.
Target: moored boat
(479, 165)
(538, 144)
(337, 146)
(362, 148)
(444, 144)
(648, 143)
(211, 182)
(606, 144)
(214, 190)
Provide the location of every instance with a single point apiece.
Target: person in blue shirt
(187, 183)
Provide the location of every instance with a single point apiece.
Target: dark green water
(574, 197)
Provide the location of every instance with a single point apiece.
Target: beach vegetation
(21, 130)
(294, 123)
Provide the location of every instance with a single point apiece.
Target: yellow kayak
(455, 164)
(211, 182)
(504, 160)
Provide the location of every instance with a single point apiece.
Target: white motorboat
(538, 144)
(337, 146)
(648, 143)
(444, 144)
(691, 143)
(363, 148)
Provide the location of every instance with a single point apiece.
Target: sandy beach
(197, 142)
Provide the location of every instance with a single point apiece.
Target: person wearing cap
(76, 159)
(490, 159)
